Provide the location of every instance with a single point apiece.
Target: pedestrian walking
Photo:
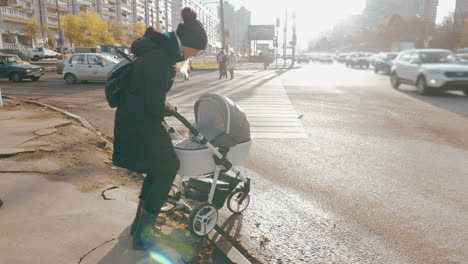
(265, 59)
(222, 61)
(232, 63)
(141, 143)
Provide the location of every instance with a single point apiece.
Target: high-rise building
(240, 40)
(15, 13)
(428, 11)
(460, 15)
(378, 12)
(207, 17)
(236, 24)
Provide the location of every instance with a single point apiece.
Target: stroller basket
(198, 188)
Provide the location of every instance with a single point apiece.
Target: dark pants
(222, 71)
(157, 184)
(155, 190)
(231, 71)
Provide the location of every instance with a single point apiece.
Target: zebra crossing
(262, 96)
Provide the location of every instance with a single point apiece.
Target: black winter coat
(141, 143)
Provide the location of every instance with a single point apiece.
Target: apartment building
(207, 17)
(15, 13)
(460, 15)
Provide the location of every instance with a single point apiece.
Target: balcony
(126, 9)
(15, 16)
(51, 4)
(108, 13)
(21, 4)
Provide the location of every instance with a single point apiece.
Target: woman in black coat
(141, 144)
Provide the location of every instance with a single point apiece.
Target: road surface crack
(89, 252)
(103, 193)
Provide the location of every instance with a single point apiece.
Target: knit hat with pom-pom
(191, 32)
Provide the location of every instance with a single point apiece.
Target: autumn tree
(71, 26)
(96, 30)
(137, 31)
(118, 31)
(31, 30)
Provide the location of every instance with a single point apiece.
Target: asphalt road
(379, 177)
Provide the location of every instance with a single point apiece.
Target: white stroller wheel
(233, 202)
(167, 206)
(203, 219)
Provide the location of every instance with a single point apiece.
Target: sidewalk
(242, 66)
(64, 201)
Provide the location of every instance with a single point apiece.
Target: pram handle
(222, 159)
(187, 124)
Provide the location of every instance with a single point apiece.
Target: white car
(430, 70)
(87, 67)
(42, 53)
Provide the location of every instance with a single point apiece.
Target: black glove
(169, 109)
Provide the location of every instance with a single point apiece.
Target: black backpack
(118, 80)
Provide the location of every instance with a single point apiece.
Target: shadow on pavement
(453, 101)
(171, 248)
(232, 226)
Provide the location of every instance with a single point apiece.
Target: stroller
(219, 140)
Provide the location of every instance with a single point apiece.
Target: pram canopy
(221, 120)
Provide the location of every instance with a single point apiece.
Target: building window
(16, 13)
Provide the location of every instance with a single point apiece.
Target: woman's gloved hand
(170, 109)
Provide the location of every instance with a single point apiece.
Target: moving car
(357, 59)
(59, 65)
(326, 58)
(87, 67)
(341, 57)
(13, 68)
(430, 70)
(463, 57)
(384, 63)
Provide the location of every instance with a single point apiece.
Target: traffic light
(275, 41)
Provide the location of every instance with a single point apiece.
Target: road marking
(264, 100)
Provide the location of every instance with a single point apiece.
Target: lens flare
(164, 254)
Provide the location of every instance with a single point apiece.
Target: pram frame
(223, 161)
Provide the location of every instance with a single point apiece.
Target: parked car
(384, 62)
(357, 59)
(42, 53)
(13, 68)
(430, 70)
(87, 67)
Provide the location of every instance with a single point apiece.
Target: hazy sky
(314, 16)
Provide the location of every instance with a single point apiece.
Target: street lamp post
(285, 38)
(221, 17)
(60, 40)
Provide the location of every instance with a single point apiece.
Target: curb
(222, 243)
(227, 247)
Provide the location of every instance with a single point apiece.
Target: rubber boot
(145, 232)
(135, 221)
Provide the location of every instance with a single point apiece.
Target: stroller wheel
(234, 203)
(203, 219)
(171, 199)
